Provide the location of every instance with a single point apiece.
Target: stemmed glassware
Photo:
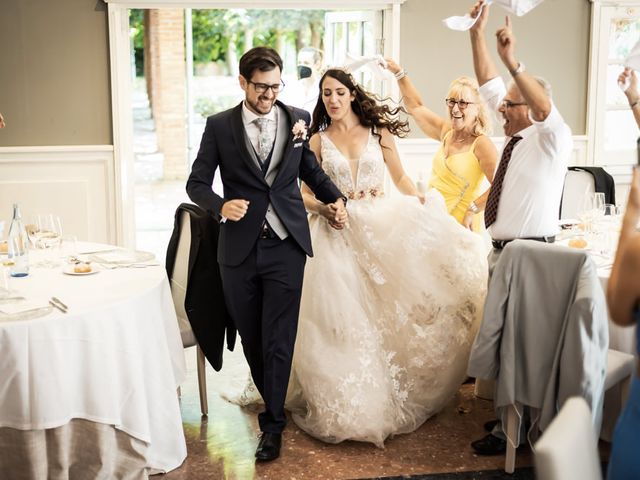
(45, 232)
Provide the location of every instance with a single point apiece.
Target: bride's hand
(467, 220)
(421, 197)
(337, 217)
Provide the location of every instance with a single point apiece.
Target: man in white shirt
(525, 196)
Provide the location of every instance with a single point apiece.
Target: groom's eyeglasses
(263, 87)
(462, 104)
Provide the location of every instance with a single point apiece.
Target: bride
(391, 303)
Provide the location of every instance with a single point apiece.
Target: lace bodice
(369, 176)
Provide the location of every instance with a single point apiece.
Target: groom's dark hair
(259, 58)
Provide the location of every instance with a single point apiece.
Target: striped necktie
(491, 209)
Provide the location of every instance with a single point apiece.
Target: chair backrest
(179, 279)
(568, 449)
(576, 185)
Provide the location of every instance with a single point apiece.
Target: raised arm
(483, 64)
(534, 94)
(392, 159)
(429, 122)
(623, 287)
(633, 97)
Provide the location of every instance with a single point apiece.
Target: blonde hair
(458, 90)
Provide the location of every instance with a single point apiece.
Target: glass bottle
(17, 246)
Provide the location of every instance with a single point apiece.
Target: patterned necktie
(264, 138)
(491, 209)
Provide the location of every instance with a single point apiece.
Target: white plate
(122, 256)
(69, 271)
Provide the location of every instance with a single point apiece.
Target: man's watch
(473, 207)
(519, 69)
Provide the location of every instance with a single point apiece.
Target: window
(611, 127)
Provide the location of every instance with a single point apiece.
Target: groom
(261, 149)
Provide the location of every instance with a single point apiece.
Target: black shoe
(269, 447)
(489, 426)
(490, 445)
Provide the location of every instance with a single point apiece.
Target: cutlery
(11, 299)
(57, 300)
(55, 305)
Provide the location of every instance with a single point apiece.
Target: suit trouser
(263, 297)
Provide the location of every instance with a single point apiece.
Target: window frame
(121, 84)
(603, 12)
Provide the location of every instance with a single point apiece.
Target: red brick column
(166, 83)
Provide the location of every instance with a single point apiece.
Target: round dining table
(113, 357)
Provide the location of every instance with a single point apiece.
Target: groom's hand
(339, 216)
(234, 210)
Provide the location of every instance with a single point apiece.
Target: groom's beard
(262, 105)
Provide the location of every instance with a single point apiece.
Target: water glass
(598, 203)
(610, 210)
(68, 246)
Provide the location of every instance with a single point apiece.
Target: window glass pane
(625, 133)
(623, 35)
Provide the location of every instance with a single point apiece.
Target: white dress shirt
(252, 129)
(532, 188)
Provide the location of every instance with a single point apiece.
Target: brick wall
(166, 84)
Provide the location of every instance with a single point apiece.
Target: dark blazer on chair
(204, 302)
(603, 182)
(223, 145)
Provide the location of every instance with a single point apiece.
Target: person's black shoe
(269, 447)
(489, 426)
(490, 445)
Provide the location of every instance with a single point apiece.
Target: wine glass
(585, 213)
(48, 237)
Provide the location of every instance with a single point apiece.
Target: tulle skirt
(390, 308)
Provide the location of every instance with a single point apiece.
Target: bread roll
(577, 243)
(82, 268)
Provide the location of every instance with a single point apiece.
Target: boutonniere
(299, 130)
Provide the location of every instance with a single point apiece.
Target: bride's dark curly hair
(369, 108)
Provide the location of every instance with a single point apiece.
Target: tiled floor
(223, 445)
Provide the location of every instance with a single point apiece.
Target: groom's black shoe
(489, 445)
(269, 447)
(488, 426)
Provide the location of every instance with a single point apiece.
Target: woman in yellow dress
(466, 155)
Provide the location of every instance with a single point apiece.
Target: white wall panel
(75, 182)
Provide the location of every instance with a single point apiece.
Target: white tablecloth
(116, 358)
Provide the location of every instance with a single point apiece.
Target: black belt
(500, 244)
(266, 232)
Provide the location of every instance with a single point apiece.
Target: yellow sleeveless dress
(458, 178)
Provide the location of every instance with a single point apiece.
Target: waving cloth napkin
(516, 7)
(375, 64)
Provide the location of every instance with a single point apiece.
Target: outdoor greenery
(221, 36)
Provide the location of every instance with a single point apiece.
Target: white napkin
(375, 64)
(122, 256)
(632, 61)
(22, 306)
(515, 7)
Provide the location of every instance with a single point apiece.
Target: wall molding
(76, 182)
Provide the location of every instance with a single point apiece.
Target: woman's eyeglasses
(263, 87)
(462, 104)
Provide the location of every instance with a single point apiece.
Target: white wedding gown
(390, 308)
